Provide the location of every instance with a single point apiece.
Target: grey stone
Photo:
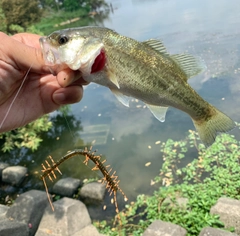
(89, 230)
(208, 231)
(28, 208)
(69, 216)
(3, 211)
(14, 175)
(2, 167)
(180, 202)
(161, 228)
(13, 228)
(66, 187)
(92, 192)
(229, 211)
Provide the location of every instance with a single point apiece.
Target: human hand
(42, 92)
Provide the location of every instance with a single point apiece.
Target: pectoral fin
(158, 111)
(121, 98)
(112, 77)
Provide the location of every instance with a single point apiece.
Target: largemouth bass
(143, 70)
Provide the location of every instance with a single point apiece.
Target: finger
(16, 53)
(28, 39)
(68, 77)
(68, 95)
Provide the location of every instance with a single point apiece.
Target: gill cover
(92, 49)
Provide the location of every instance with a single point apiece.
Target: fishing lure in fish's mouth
(143, 70)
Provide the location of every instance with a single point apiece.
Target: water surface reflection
(202, 28)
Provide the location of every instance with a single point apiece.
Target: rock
(2, 167)
(229, 211)
(66, 187)
(180, 202)
(13, 228)
(69, 216)
(28, 208)
(89, 230)
(3, 211)
(92, 192)
(14, 175)
(208, 231)
(162, 228)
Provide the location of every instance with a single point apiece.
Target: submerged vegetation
(214, 173)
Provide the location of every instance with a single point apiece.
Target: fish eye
(62, 39)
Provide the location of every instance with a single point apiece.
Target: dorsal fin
(189, 64)
(156, 45)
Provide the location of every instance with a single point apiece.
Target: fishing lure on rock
(143, 70)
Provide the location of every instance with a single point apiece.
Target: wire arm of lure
(111, 179)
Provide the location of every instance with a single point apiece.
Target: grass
(213, 174)
(51, 20)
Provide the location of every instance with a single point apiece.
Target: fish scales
(147, 80)
(143, 70)
(139, 77)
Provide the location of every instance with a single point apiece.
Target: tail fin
(209, 129)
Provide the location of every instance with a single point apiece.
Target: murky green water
(127, 137)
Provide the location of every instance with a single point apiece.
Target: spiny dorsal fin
(189, 64)
(157, 45)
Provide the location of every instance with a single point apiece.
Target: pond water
(127, 137)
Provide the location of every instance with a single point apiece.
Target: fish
(141, 70)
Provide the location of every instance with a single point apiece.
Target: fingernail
(59, 98)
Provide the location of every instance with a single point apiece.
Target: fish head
(74, 49)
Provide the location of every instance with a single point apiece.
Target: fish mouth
(50, 53)
(51, 56)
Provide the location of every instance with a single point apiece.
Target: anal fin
(158, 111)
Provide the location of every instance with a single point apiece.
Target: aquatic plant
(212, 173)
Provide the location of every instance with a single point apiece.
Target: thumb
(23, 51)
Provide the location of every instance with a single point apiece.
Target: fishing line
(68, 125)
(73, 136)
(15, 97)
